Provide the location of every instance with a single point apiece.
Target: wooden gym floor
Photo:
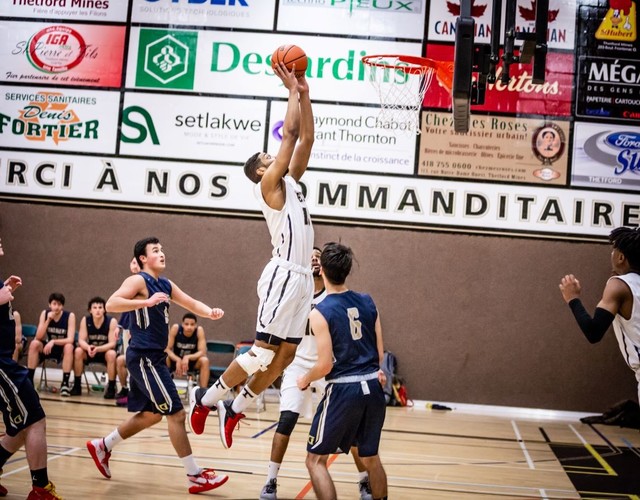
(459, 454)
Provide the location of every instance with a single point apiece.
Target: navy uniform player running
(346, 325)
(152, 393)
(24, 418)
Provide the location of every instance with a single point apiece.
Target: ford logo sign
(624, 140)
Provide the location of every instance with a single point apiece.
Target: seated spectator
(96, 343)
(187, 349)
(54, 339)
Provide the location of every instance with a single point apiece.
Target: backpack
(395, 390)
(389, 367)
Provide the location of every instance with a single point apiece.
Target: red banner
(519, 96)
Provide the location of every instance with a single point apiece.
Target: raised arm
(302, 152)
(615, 294)
(271, 183)
(193, 305)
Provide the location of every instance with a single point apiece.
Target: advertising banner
(561, 21)
(59, 120)
(246, 14)
(191, 127)
(519, 96)
(351, 138)
(390, 18)
(606, 156)
(233, 63)
(608, 69)
(331, 196)
(61, 54)
(505, 149)
(76, 10)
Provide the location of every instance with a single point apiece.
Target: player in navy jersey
(152, 393)
(24, 418)
(187, 349)
(96, 343)
(346, 325)
(54, 339)
(285, 288)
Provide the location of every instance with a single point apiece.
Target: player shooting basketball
(285, 288)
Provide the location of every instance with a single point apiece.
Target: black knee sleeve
(287, 422)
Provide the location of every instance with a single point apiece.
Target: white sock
(215, 393)
(112, 439)
(363, 475)
(272, 471)
(190, 465)
(243, 400)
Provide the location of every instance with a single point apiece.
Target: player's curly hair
(336, 261)
(251, 166)
(627, 240)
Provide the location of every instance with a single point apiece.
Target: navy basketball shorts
(57, 353)
(19, 401)
(349, 414)
(151, 387)
(192, 366)
(98, 358)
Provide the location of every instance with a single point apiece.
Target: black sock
(65, 378)
(112, 384)
(40, 478)
(32, 372)
(4, 456)
(77, 381)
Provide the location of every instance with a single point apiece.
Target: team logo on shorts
(311, 440)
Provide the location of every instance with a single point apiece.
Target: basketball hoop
(401, 82)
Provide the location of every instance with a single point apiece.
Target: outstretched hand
(570, 288)
(13, 281)
(288, 78)
(216, 313)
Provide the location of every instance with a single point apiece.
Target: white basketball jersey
(628, 330)
(290, 228)
(308, 349)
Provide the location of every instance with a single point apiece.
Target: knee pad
(287, 422)
(259, 360)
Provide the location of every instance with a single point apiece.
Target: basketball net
(400, 86)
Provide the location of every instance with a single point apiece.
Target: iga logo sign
(56, 49)
(166, 59)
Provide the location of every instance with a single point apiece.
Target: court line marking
(595, 454)
(49, 459)
(527, 456)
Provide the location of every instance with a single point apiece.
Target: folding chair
(221, 353)
(28, 334)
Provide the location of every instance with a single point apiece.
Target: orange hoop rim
(443, 69)
(420, 64)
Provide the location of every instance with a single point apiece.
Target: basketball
(290, 55)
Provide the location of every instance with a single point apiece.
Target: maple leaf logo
(530, 14)
(476, 10)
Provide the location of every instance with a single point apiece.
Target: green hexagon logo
(166, 59)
